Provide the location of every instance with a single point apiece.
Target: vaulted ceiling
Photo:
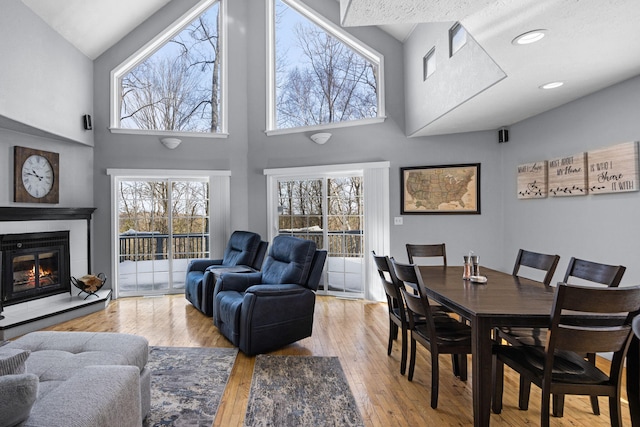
(589, 44)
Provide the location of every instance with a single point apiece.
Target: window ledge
(169, 133)
(335, 125)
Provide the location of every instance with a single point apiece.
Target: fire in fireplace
(34, 265)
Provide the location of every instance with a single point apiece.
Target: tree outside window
(178, 87)
(319, 78)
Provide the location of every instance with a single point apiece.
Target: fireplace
(34, 265)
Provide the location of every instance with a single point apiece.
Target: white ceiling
(590, 44)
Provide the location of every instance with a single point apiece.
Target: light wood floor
(356, 332)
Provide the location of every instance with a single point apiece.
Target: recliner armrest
(202, 264)
(275, 290)
(237, 281)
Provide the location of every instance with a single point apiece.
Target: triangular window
(175, 82)
(319, 74)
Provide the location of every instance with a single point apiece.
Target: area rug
(187, 384)
(300, 391)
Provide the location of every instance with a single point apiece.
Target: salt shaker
(466, 274)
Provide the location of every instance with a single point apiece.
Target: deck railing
(154, 246)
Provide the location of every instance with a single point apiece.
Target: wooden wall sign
(532, 180)
(614, 169)
(568, 176)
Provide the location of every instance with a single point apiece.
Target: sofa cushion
(12, 361)
(87, 348)
(17, 395)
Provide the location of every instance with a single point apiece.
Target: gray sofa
(74, 379)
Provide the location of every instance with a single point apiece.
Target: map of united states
(440, 189)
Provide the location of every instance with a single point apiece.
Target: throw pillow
(17, 395)
(12, 360)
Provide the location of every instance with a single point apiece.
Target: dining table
(504, 300)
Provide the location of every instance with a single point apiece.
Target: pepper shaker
(466, 273)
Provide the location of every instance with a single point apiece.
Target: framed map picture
(444, 189)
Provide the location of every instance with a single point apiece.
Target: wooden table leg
(633, 381)
(481, 343)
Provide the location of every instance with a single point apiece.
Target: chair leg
(462, 362)
(435, 380)
(615, 410)
(456, 365)
(525, 391)
(403, 356)
(595, 407)
(497, 384)
(558, 405)
(391, 336)
(412, 361)
(544, 409)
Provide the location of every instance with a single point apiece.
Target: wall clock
(36, 175)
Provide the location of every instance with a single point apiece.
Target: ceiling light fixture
(529, 37)
(551, 85)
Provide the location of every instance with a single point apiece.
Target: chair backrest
(389, 280)
(417, 303)
(289, 260)
(604, 274)
(260, 254)
(241, 248)
(426, 251)
(317, 265)
(597, 335)
(544, 262)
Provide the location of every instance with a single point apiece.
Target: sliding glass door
(162, 224)
(330, 211)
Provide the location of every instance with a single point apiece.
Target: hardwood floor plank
(354, 331)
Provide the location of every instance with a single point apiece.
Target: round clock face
(37, 176)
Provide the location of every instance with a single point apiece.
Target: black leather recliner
(263, 311)
(245, 251)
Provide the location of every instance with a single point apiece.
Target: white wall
(456, 80)
(46, 83)
(602, 228)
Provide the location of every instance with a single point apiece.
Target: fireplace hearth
(34, 265)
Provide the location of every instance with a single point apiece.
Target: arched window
(175, 83)
(320, 76)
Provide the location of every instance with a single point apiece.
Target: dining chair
(559, 367)
(546, 264)
(395, 304)
(440, 333)
(426, 251)
(587, 272)
(543, 262)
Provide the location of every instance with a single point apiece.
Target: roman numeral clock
(36, 176)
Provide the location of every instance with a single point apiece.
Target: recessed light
(529, 37)
(551, 85)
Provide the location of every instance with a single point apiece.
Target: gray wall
(601, 227)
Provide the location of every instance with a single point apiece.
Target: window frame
(429, 58)
(453, 32)
(361, 48)
(149, 49)
(219, 206)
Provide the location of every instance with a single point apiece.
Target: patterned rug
(187, 384)
(300, 391)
